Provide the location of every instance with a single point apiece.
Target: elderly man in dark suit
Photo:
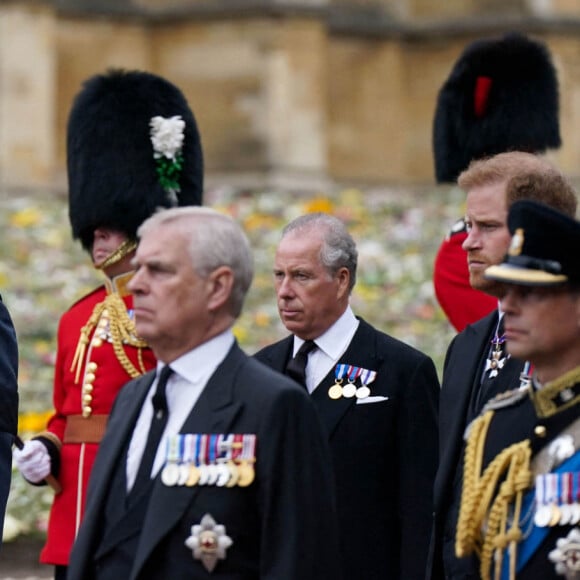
(376, 396)
(477, 366)
(240, 486)
(8, 404)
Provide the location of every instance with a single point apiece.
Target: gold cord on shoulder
(547, 400)
(486, 498)
(123, 250)
(122, 330)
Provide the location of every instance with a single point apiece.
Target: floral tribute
(167, 139)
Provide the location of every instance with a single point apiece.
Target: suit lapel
(112, 447)
(361, 352)
(278, 356)
(456, 398)
(214, 412)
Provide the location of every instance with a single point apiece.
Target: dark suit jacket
(282, 525)
(461, 380)
(8, 404)
(384, 455)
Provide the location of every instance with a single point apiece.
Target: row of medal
(557, 499)
(351, 374)
(209, 459)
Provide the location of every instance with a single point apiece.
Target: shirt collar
(335, 340)
(199, 364)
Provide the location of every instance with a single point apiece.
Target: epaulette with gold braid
(122, 330)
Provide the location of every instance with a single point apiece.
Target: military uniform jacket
(283, 525)
(104, 375)
(384, 454)
(516, 419)
(461, 382)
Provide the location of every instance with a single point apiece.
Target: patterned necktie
(296, 367)
(158, 423)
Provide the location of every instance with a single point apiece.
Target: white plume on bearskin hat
(132, 146)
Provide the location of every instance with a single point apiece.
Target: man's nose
(284, 287)
(135, 284)
(508, 301)
(471, 241)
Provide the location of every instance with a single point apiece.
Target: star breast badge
(566, 556)
(208, 542)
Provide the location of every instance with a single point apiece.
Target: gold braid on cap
(123, 250)
(122, 330)
(485, 501)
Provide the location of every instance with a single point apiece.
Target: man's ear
(343, 277)
(220, 283)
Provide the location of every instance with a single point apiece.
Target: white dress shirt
(191, 372)
(331, 346)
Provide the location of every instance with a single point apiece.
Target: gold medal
(234, 476)
(246, 473)
(193, 476)
(555, 515)
(335, 392)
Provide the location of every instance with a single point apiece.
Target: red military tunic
(461, 303)
(82, 403)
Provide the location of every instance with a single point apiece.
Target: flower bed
(42, 272)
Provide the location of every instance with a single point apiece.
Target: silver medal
(170, 474)
(349, 390)
(223, 474)
(183, 473)
(543, 516)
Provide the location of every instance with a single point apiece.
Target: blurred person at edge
(8, 404)
(477, 367)
(113, 158)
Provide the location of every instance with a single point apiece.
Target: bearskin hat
(132, 146)
(501, 95)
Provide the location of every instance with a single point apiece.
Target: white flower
(167, 136)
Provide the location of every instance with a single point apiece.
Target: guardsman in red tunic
(132, 146)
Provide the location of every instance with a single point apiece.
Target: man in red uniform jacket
(132, 146)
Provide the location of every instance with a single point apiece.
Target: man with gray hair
(214, 462)
(377, 398)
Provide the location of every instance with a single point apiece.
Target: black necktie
(296, 367)
(158, 423)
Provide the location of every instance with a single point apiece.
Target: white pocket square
(366, 400)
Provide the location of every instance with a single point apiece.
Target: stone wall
(301, 93)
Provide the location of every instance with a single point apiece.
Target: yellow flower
(259, 221)
(319, 204)
(25, 218)
(262, 319)
(240, 333)
(33, 422)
